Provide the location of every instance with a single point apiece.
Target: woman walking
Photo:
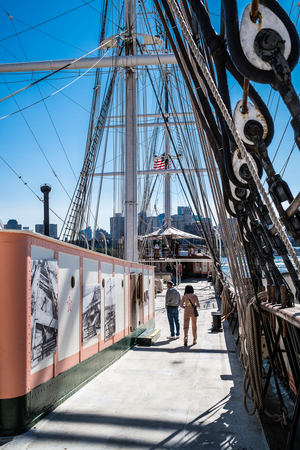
(188, 301)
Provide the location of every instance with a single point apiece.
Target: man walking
(172, 303)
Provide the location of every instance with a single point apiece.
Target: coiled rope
(226, 301)
(219, 285)
(253, 372)
(225, 113)
(214, 275)
(252, 346)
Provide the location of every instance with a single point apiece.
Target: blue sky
(30, 144)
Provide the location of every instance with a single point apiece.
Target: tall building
(117, 227)
(145, 224)
(86, 234)
(100, 232)
(12, 224)
(157, 222)
(183, 218)
(39, 228)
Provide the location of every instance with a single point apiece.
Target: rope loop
(226, 300)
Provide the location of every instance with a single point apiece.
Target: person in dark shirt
(172, 303)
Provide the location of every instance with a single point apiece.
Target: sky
(46, 142)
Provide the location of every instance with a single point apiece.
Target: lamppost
(46, 188)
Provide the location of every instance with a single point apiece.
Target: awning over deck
(170, 232)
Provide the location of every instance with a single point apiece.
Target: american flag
(159, 163)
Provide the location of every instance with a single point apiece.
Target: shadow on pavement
(201, 432)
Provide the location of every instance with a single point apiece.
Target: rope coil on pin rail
(253, 370)
(232, 128)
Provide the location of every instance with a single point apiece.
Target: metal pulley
(240, 120)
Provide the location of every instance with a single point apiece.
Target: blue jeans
(174, 279)
(173, 318)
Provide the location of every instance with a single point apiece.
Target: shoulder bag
(195, 308)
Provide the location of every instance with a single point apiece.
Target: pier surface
(162, 397)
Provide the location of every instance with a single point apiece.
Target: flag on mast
(159, 163)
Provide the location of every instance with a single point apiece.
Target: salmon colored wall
(14, 317)
(15, 311)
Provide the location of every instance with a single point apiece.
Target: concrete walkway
(162, 397)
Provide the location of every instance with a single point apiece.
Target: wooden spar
(87, 63)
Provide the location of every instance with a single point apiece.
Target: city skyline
(183, 219)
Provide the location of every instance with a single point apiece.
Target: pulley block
(238, 193)
(249, 30)
(241, 39)
(237, 162)
(241, 119)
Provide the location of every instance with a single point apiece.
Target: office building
(12, 224)
(117, 227)
(39, 228)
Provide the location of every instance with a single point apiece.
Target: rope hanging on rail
(219, 285)
(226, 300)
(253, 371)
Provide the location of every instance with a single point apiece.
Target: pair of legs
(189, 315)
(173, 321)
(174, 279)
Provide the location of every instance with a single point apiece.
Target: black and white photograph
(91, 311)
(110, 307)
(43, 309)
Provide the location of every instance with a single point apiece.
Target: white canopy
(170, 231)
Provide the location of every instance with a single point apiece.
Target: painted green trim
(19, 414)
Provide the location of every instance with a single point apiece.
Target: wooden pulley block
(237, 162)
(249, 30)
(231, 207)
(233, 188)
(244, 234)
(241, 119)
